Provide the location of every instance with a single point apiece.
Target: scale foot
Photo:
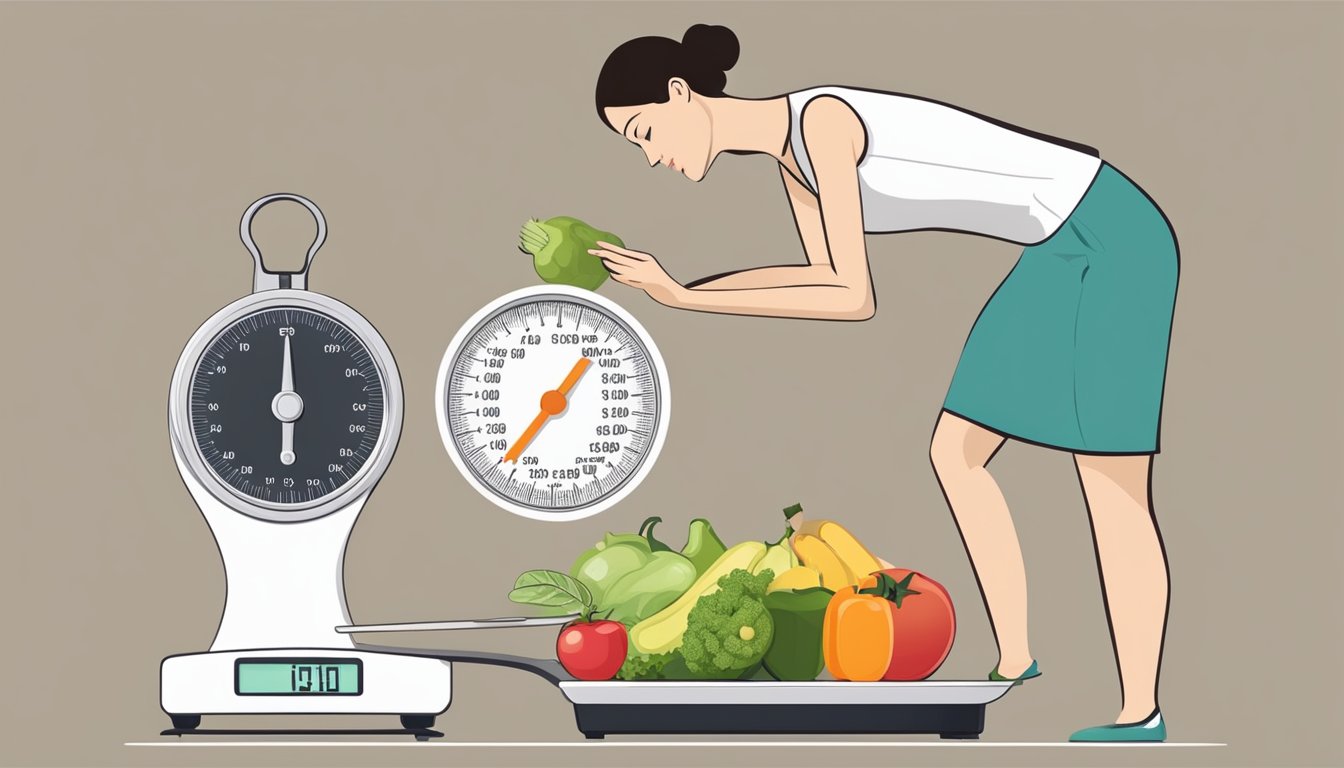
(959, 735)
(185, 722)
(415, 722)
(594, 735)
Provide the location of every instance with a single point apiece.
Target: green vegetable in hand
(703, 546)
(799, 616)
(729, 631)
(559, 248)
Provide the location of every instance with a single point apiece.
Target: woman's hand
(638, 270)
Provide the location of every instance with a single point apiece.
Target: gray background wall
(134, 134)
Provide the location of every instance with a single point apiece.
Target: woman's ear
(678, 90)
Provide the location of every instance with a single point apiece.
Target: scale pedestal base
(420, 734)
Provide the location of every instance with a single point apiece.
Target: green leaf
(551, 589)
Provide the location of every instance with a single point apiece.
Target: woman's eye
(649, 136)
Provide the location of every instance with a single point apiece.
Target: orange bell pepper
(856, 636)
(859, 630)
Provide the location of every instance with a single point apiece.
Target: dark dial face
(286, 438)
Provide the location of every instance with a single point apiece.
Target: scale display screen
(298, 677)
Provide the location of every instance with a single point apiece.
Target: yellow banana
(858, 559)
(815, 554)
(854, 555)
(801, 577)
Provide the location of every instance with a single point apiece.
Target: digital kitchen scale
(284, 412)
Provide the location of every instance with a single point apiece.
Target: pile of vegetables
(816, 599)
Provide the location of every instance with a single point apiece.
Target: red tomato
(592, 650)
(923, 626)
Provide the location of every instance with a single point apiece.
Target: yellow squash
(779, 557)
(661, 632)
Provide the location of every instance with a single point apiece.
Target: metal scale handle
(264, 279)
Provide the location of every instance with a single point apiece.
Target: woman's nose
(652, 156)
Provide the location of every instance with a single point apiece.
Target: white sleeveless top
(929, 165)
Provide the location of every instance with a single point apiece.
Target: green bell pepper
(799, 614)
(703, 546)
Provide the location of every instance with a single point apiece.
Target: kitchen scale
(285, 410)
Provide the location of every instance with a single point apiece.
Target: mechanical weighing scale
(285, 410)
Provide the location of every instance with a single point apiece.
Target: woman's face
(675, 133)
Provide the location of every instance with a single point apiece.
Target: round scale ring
(254, 416)
(553, 402)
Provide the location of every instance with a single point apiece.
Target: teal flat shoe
(1032, 671)
(1153, 729)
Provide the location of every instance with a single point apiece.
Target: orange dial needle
(553, 402)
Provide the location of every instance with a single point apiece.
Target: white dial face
(553, 403)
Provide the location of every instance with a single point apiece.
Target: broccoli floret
(729, 631)
(642, 666)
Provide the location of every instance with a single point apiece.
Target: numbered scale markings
(286, 405)
(555, 402)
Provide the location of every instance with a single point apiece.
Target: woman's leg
(960, 453)
(1133, 567)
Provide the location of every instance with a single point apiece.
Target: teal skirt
(1071, 350)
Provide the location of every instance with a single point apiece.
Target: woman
(1070, 352)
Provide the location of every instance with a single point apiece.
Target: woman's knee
(960, 446)
(944, 452)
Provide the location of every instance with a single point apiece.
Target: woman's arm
(838, 288)
(807, 220)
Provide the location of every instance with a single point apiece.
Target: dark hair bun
(713, 44)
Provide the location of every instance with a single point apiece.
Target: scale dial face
(241, 406)
(286, 405)
(553, 402)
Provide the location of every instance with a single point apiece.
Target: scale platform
(950, 709)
